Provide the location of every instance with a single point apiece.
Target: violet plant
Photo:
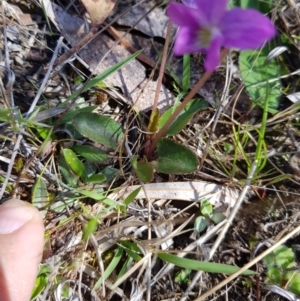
(210, 28)
(206, 26)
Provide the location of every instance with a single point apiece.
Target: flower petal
(183, 15)
(185, 42)
(190, 3)
(212, 9)
(213, 54)
(246, 29)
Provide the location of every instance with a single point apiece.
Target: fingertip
(21, 241)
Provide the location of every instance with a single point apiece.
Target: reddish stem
(163, 131)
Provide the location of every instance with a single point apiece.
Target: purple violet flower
(206, 26)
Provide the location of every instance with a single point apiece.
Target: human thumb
(21, 247)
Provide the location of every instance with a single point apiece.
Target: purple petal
(246, 29)
(212, 9)
(190, 3)
(213, 54)
(183, 15)
(186, 41)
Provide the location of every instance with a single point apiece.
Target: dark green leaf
(96, 179)
(91, 153)
(72, 113)
(110, 173)
(97, 196)
(263, 6)
(131, 196)
(186, 73)
(174, 158)
(99, 128)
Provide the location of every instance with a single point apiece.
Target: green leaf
(74, 163)
(153, 122)
(90, 228)
(40, 195)
(97, 196)
(182, 276)
(40, 284)
(261, 82)
(184, 117)
(131, 249)
(143, 169)
(110, 173)
(200, 224)
(72, 113)
(66, 172)
(131, 196)
(186, 73)
(63, 200)
(274, 275)
(264, 6)
(5, 114)
(111, 267)
(99, 128)
(174, 158)
(294, 281)
(205, 266)
(126, 266)
(218, 217)
(282, 257)
(91, 153)
(206, 208)
(96, 179)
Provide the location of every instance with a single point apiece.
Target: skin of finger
(20, 255)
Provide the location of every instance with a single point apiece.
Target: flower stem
(162, 132)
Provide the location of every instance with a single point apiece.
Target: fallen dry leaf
(192, 191)
(98, 10)
(152, 22)
(131, 78)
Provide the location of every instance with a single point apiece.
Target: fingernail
(13, 215)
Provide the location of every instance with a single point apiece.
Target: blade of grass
(111, 267)
(205, 266)
(186, 73)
